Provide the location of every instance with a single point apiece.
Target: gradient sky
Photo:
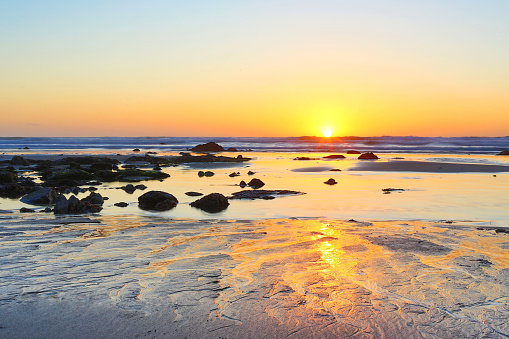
(254, 68)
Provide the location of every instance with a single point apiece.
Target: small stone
(331, 181)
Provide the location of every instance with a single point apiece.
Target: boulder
(331, 181)
(121, 204)
(157, 200)
(506, 152)
(26, 210)
(212, 203)
(256, 183)
(208, 147)
(232, 149)
(42, 196)
(353, 152)
(367, 156)
(242, 184)
(129, 188)
(94, 199)
(7, 177)
(250, 173)
(19, 161)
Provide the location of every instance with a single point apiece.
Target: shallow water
(266, 278)
(358, 194)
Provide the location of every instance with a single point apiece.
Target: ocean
(385, 144)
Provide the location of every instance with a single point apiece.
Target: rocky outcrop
(74, 206)
(334, 156)
(353, 152)
(42, 196)
(506, 152)
(19, 161)
(212, 203)
(157, 200)
(368, 156)
(7, 177)
(208, 147)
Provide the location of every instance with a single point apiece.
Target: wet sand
(427, 166)
(150, 277)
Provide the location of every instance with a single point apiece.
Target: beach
(407, 246)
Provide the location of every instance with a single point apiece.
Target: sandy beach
(382, 254)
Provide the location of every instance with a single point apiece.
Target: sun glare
(327, 133)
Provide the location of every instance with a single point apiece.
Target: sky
(254, 68)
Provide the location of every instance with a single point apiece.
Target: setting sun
(327, 133)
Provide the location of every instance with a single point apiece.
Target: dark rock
(129, 188)
(157, 168)
(335, 170)
(331, 181)
(367, 156)
(262, 194)
(505, 152)
(121, 204)
(72, 174)
(389, 190)
(7, 177)
(75, 190)
(334, 156)
(42, 196)
(129, 166)
(353, 152)
(26, 147)
(305, 158)
(47, 210)
(242, 184)
(74, 165)
(94, 198)
(201, 173)
(14, 190)
(250, 173)
(212, 203)
(61, 205)
(140, 187)
(256, 183)
(86, 160)
(232, 149)
(157, 200)
(208, 147)
(136, 150)
(75, 206)
(194, 194)
(234, 174)
(102, 166)
(26, 210)
(19, 161)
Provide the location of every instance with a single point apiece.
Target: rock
(242, 184)
(19, 161)
(129, 188)
(194, 194)
(26, 147)
(42, 196)
(353, 152)
(7, 177)
(47, 210)
(201, 173)
(14, 190)
(75, 206)
(157, 168)
(140, 187)
(331, 181)
(208, 174)
(61, 205)
(234, 174)
(94, 199)
(136, 150)
(334, 156)
(232, 149)
(506, 152)
(102, 166)
(208, 147)
(389, 190)
(212, 203)
(305, 158)
(262, 194)
(121, 204)
(335, 170)
(26, 210)
(256, 183)
(367, 156)
(157, 200)
(250, 173)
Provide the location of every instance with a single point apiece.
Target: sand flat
(133, 277)
(427, 166)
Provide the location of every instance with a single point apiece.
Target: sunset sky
(254, 68)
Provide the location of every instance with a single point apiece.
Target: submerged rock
(157, 200)
(368, 156)
(262, 194)
(121, 204)
(193, 194)
(212, 203)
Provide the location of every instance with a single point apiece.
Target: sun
(327, 133)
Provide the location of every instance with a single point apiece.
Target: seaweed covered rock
(212, 203)
(208, 147)
(157, 200)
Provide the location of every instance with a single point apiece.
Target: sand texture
(149, 277)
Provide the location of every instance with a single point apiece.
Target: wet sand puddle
(267, 278)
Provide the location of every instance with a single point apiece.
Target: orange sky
(265, 69)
